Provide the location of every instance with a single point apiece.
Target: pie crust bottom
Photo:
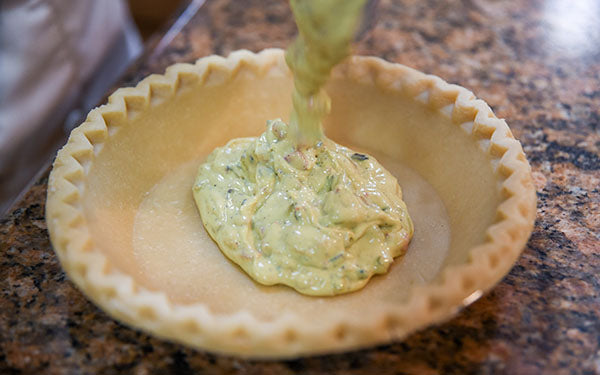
(174, 252)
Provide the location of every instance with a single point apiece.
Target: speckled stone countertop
(537, 63)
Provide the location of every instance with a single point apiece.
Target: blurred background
(58, 58)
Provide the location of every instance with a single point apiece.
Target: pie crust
(118, 216)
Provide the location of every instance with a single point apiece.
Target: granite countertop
(537, 63)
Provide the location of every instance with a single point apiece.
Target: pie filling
(293, 207)
(320, 219)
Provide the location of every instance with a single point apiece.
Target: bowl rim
(242, 333)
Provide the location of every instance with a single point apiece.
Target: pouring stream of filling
(293, 207)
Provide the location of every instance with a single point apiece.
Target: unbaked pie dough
(122, 221)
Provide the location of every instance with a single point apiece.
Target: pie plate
(122, 219)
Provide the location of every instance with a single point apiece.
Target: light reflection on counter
(573, 26)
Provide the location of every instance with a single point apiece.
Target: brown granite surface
(537, 63)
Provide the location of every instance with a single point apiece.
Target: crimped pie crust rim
(242, 333)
